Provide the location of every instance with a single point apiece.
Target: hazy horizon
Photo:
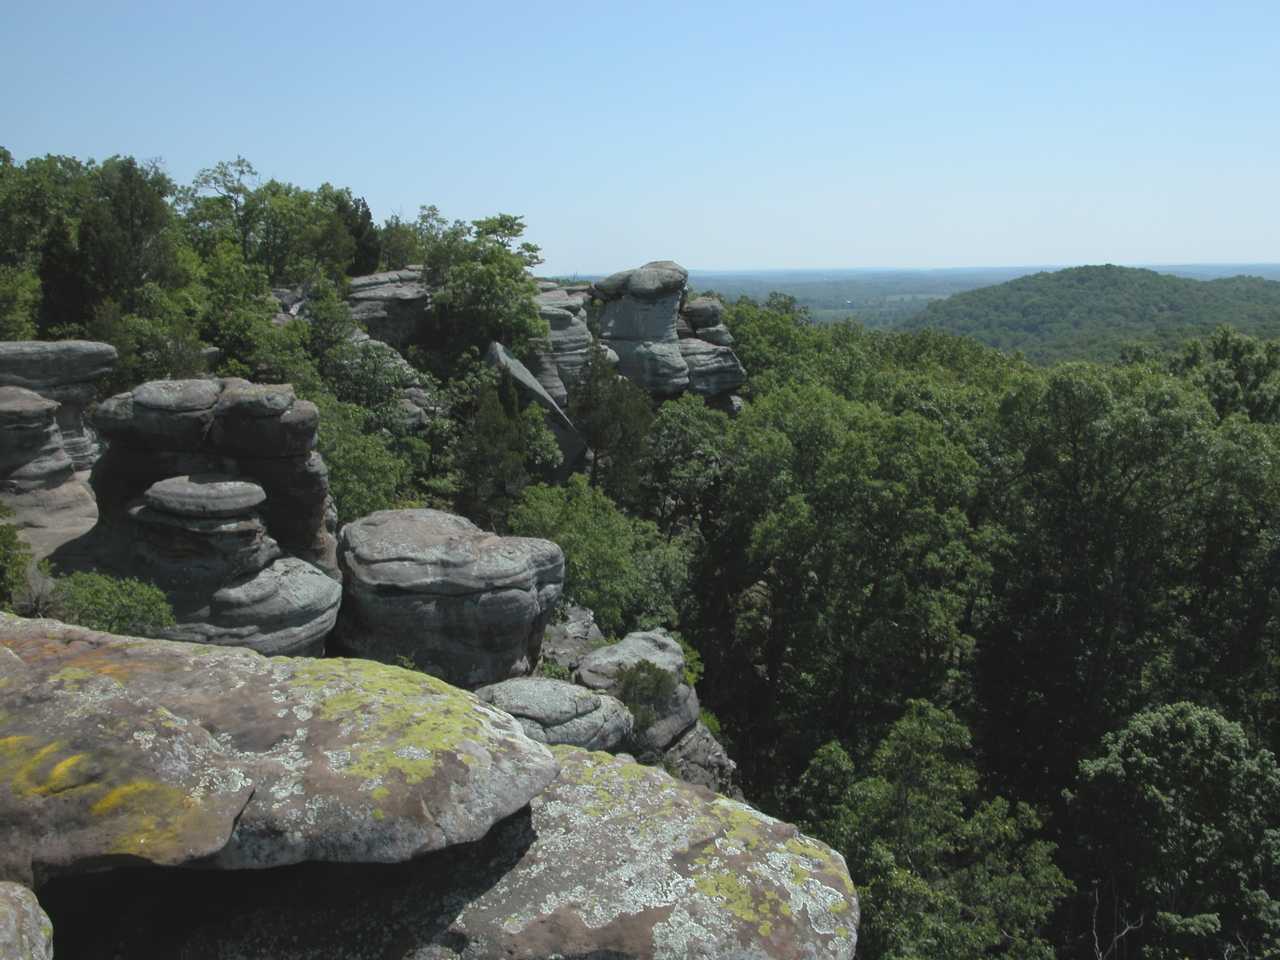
(915, 135)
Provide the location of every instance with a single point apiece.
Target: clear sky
(722, 135)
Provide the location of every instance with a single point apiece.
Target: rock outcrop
(38, 482)
(572, 447)
(259, 433)
(25, 930)
(391, 305)
(556, 712)
(435, 590)
(567, 642)
(713, 370)
(565, 310)
(119, 750)
(612, 860)
(66, 371)
(638, 323)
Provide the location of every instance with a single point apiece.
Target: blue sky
(722, 135)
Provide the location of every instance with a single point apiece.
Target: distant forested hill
(1093, 312)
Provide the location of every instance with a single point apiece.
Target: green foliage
(1181, 821)
(618, 566)
(940, 872)
(124, 606)
(14, 560)
(19, 303)
(364, 474)
(1093, 313)
(613, 415)
(553, 671)
(646, 690)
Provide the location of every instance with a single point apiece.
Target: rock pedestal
(433, 589)
(639, 324)
(38, 483)
(65, 371)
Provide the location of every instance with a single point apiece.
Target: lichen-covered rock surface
(613, 860)
(25, 930)
(556, 712)
(117, 750)
(457, 601)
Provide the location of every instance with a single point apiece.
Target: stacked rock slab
(565, 310)
(66, 371)
(706, 345)
(556, 712)
(667, 714)
(51, 506)
(201, 539)
(132, 751)
(433, 589)
(638, 323)
(391, 305)
(260, 433)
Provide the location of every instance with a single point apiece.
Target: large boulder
(645, 670)
(612, 860)
(391, 305)
(556, 712)
(51, 504)
(121, 751)
(66, 371)
(433, 589)
(713, 370)
(638, 322)
(25, 930)
(261, 433)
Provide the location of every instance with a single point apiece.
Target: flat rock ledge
(457, 601)
(613, 860)
(119, 751)
(556, 712)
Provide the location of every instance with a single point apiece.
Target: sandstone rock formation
(38, 483)
(261, 433)
(567, 642)
(391, 305)
(556, 712)
(25, 930)
(565, 310)
(65, 371)
(119, 750)
(612, 860)
(456, 601)
(639, 324)
(713, 370)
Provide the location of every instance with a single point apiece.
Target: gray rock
(187, 554)
(542, 364)
(456, 601)
(65, 371)
(556, 712)
(713, 370)
(731, 403)
(703, 312)
(658, 368)
(718, 334)
(169, 753)
(611, 861)
(569, 640)
(641, 308)
(697, 757)
(392, 305)
(25, 930)
(207, 495)
(662, 720)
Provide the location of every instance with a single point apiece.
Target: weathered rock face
(119, 750)
(612, 860)
(698, 757)
(51, 505)
(668, 713)
(263, 434)
(391, 305)
(65, 371)
(556, 712)
(639, 323)
(25, 930)
(456, 601)
(713, 370)
(565, 310)
(567, 642)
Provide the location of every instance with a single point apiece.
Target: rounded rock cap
(204, 495)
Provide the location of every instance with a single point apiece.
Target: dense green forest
(1100, 313)
(1007, 636)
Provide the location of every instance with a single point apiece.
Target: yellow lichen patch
(33, 769)
(396, 720)
(750, 904)
(155, 820)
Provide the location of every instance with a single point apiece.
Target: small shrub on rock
(122, 606)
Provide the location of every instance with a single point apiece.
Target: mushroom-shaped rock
(66, 371)
(124, 750)
(612, 860)
(556, 712)
(645, 670)
(51, 506)
(638, 322)
(25, 930)
(455, 600)
(205, 495)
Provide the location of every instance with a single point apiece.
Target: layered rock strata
(38, 482)
(638, 323)
(556, 712)
(391, 305)
(433, 589)
(66, 371)
(119, 751)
